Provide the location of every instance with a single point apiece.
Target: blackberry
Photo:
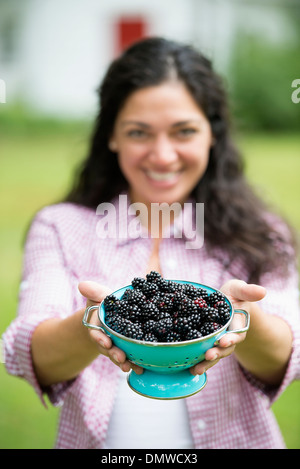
(149, 310)
(163, 285)
(163, 315)
(133, 331)
(127, 294)
(139, 298)
(165, 303)
(202, 293)
(224, 313)
(172, 336)
(134, 313)
(149, 289)
(195, 320)
(149, 326)
(200, 303)
(209, 327)
(153, 276)
(128, 311)
(134, 297)
(138, 282)
(193, 334)
(186, 307)
(190, 291)
(156, 312)
(210, 314)
(116, 322)
(173, 287)
(215, 297)
(178, 298)
(155, 300)
(108, 316)
(163, 327)
(222, 304)
(110, 302)
(123, 308)
(149, 337)
(181, 325)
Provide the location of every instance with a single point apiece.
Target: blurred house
(53, 53)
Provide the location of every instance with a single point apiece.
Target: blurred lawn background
(38, 156)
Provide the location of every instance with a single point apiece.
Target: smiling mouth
(163, 176)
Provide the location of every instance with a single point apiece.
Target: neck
(157, 216)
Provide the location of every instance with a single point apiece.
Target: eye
(186, 132)
(136, 133)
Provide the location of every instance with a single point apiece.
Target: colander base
(166, 386)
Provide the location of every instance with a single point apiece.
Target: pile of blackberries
(160, 310)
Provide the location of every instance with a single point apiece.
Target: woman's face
(163, 141)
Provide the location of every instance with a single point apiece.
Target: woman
(162, 135)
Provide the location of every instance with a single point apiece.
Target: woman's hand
(95, 293)
(242, 295)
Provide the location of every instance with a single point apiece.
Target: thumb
(93, 292)
(240, 290)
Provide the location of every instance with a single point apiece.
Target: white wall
(67, 45)
(64, 46)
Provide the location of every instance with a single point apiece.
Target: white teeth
(162, 176)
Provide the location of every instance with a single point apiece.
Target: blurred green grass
(37, 163)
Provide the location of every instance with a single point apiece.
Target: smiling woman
(140, 101)
(162, 136)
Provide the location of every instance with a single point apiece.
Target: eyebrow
(141, 124)
(147, 126)
(187, 122)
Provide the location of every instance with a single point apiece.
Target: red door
(129, 29)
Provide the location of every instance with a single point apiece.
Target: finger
(137, 369)
(229, 339)
(243, 291)
(131, 366)
(212, 357)
(93, 292)
(252, 292)
(119, 358)
(216, 353)
(101, 339)
(202, 367)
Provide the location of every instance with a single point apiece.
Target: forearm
(267, 348)
(61, 348)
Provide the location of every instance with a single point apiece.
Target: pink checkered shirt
(63, 247)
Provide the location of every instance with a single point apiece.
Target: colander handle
(85, 320)
(246, 327)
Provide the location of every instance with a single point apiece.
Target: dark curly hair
(234, 216)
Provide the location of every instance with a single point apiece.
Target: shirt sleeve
(47, 290)
(282, 300)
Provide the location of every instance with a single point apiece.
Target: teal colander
(166, 365)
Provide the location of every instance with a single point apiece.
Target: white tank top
(139, 422)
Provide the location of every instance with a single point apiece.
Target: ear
(112, 145)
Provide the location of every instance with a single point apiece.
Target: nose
(163, 151)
